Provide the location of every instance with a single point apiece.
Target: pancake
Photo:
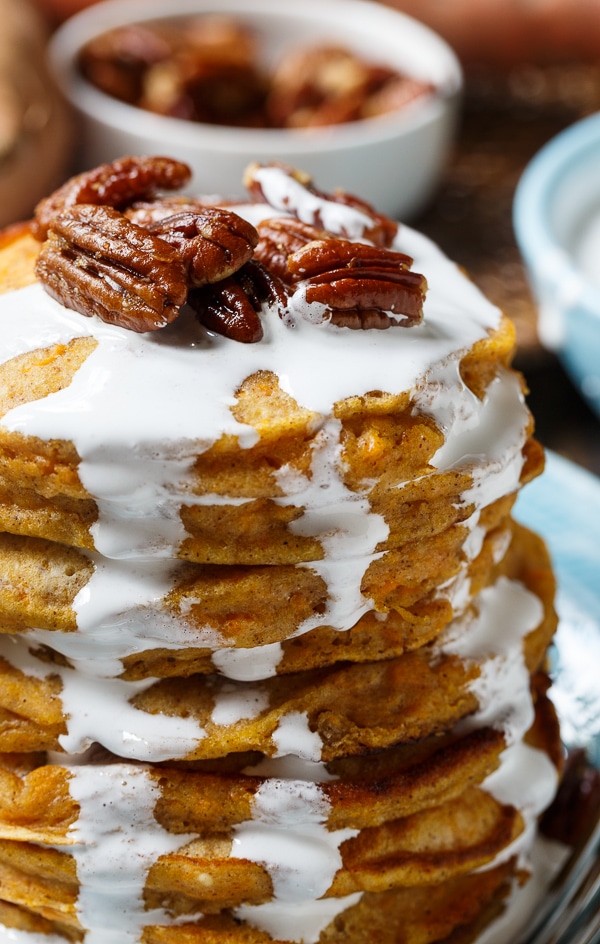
(214, 609)
(446, 834)
(421, 915)
(419, 693)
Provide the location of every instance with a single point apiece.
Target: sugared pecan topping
(228, 311)
(115, 185)
(118, 248)
(359, 284)
(99, 263)
(230, 307)
(362, 286)
(261, 284)
(292, 191)
(213, 243)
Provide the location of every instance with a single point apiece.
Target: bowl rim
(68, 38)
(550, 263)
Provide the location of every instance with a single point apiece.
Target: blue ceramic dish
(557, 226)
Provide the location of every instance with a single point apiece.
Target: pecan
(116, 185)
(228, 311)
(211, 76)
(100, 263)
(363, 319)
(145, 212)
(213, 243)
(262, 285)
(208, 69)
(230, 307)
(381, 231)
(278, 239)
(361, 285)
(117, 61)
(395, 95)
(324, 255)
(291, 191)
(321, 85)
(327, 85)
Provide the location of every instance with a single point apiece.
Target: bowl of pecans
(359, 96)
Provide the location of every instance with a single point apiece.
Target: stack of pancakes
(273, 652)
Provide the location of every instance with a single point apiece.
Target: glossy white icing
(301, 922)
(116, 841)
(288, 835)
(492, 634)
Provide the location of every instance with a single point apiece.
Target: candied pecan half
(230, 307)
(117, 61)
(213, 243)
(289, 190)
(395, 95)
(228, 311)
(323, 84)
(100, 263)
(330, 253)
(212, 75)
(144, 212)
(116, 185)
(362, 286)
(279, 238)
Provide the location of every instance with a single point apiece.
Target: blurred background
(531, 70)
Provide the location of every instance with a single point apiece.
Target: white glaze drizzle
(301, 922)
(117, 839)
(492, 634)
(526, 779)
(294, 737)
(288, 835)
(283, 193)
(235, 703)
(99, 710)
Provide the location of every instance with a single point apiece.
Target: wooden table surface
(506, 119)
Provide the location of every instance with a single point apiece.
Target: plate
(563, 506)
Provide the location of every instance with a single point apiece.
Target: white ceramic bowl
(557, 225)
(393, 161)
